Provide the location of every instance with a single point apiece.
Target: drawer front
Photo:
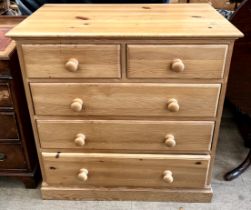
(8, 126)
(5, 97)
(4, 68)
(176, 61)
(125, 170)
(72, 61)
(125, 99)
(130, 135)
(11, 157)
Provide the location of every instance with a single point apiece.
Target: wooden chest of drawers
(18, 157)
(126, 100)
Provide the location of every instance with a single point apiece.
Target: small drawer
(176, 61)
(11, 157)
(8, 126)
(126, 135)
(125, 170)
(124, 99)
(4, 68)
(5, 96)
(72, 61)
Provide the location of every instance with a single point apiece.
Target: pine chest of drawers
(126, 100)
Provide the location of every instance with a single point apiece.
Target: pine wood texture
(156, 61)
(129, 136)
(95, 61)
(125, 99)
(116, 21)
(139, 194)
(127, 170)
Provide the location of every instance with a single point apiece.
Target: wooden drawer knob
(77, 105)
(80, 139)
(177, 65)
(72, 65)
(83, 175)
(168, 176)
(172, 105)
(170, 141)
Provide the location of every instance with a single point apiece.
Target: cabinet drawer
(176, 61)
(162, 136)
(125, 99)
(8, 126)
(5, 68)
(11, 157)
(125, 170)
(72, 61)
(5, 97)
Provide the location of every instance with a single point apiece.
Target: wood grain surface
(125, 99)
(8, 125)
(14, 157)
(130, 20)
(127, 170)
(135, 194)
(126, 135)
(95, 61)
(155, 61)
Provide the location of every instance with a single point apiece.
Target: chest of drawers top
(127, 21)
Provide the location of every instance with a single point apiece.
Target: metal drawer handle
(2, 156)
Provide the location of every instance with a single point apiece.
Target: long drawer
(12, 157)
(72, 61)
(125, 170)
(127, 135)
(176, 61)
(123, 99)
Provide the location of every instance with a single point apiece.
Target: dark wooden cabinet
(239, 84)
(18, 156)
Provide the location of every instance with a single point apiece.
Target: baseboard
(174, 195)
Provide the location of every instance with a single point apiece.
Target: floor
(234, 195)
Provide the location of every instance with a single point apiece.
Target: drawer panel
(4, 68)
(11, 157)
(89, 61)
(125, 170)
(160, 61)
(124, 99)
(8, 126)
(5, 97)
(162, 136)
